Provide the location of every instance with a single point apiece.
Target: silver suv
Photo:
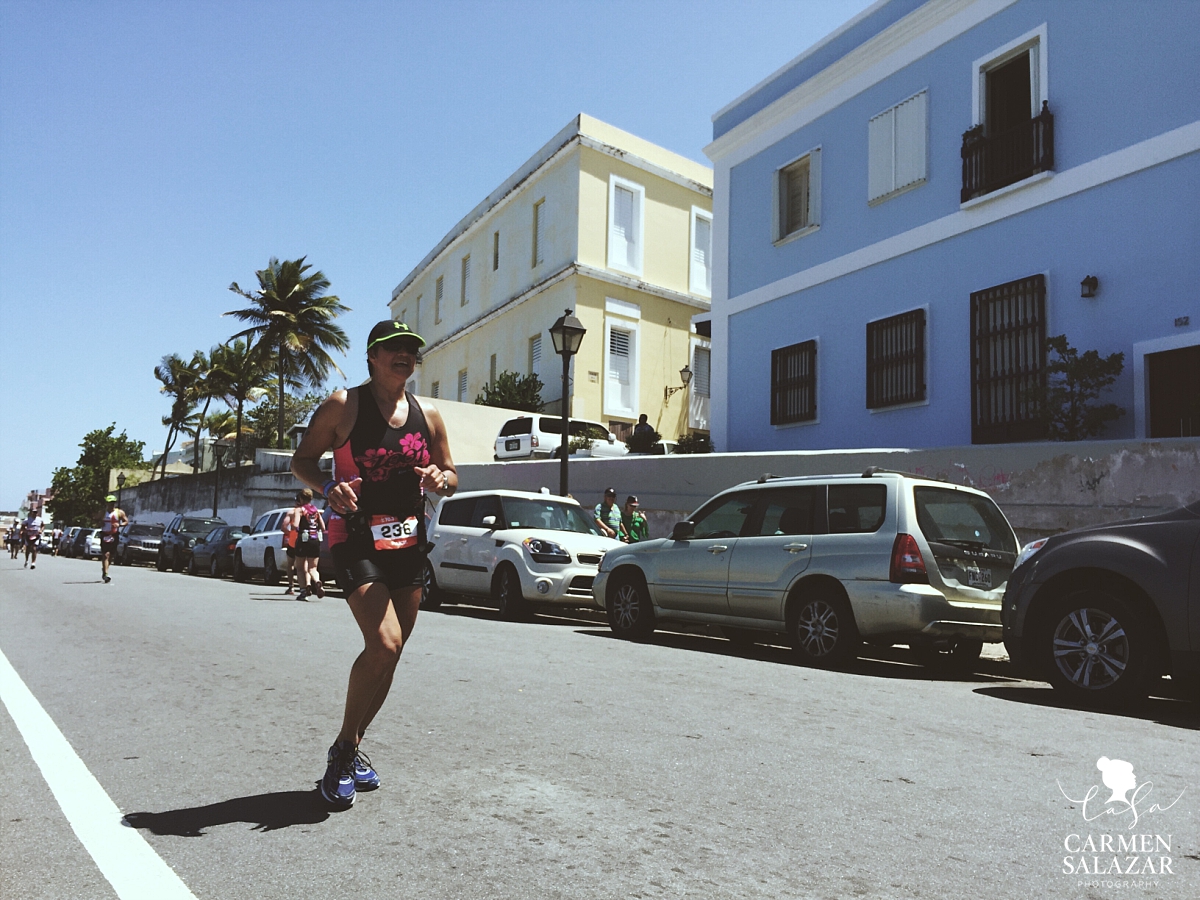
(831, 561)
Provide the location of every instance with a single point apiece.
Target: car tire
(239, 567)
(628, 608)
(506, 591)
(191, 566)
(270, 570)
(176, 561)
(431, 594)
(1096, 648)
(214, 568)
(160, 562)
(823, 630)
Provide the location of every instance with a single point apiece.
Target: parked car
(69, 537)
(262, 549)
(830, 561)
(79, 542)
(519, 549)
(92, 547)
(537, 436)
(1100, 612)
(660, 448)
(214, 554)
(178, 538)
(138, 542)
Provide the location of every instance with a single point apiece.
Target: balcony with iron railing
(991, 162)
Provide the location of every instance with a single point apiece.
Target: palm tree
(209, 385)
(294, 318)
(245, 372)
(178, 381)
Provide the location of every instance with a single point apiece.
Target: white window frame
(465, 271)
(814, 198)
(639, 224)
(464, 385)
(1039, 71)
(894, 190)
(624, 316)
(695, 275)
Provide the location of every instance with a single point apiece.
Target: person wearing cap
(113, 520)
(633, 523)
(31, 533)
(389, 452)
(607, 514)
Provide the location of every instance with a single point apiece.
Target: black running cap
(387, 329)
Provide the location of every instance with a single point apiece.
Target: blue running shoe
(337, 786)
(365, 776)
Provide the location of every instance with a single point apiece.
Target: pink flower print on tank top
(377, 464)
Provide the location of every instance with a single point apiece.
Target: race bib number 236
(391, 533)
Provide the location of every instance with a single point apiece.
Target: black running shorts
(307, 550)
(108, 545)
(357, 565)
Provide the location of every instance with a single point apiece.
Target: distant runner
(113, 520)
(31, 533)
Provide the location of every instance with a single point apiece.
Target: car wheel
(239, 568)
(160, 562)
(191, 566)
(176, 561)
(270, 570)
(630, 612)
(431, 594)
(822, 629)
(214, 568)
(506, 591)
(1096, 648)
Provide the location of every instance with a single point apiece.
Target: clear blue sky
(153, 152)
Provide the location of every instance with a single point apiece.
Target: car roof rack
(880, 470)
(767, 476)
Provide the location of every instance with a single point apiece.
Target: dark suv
(179, 537)
(137, 542)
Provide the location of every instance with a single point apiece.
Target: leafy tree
(694, 443)
(79, 491)
(263, 418)
(511, 390)
(179, 382)
(293, 316)
(245, 374)
(642, 442)
(1074, 382)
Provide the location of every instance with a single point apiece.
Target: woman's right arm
(327, 429)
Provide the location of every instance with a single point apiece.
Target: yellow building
(597, 221)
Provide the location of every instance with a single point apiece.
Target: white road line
(131, 866)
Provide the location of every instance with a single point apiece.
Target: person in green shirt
(633, 523)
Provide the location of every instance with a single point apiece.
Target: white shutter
(620, 380)
(436, 390)
(910, 141)
(466, 280)
(880, 143)
(702, 257)
(535, 355)
(539, 232)
(462, 386)
(702, 372)
(624, 236)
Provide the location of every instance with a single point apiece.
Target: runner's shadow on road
(1164, 709)
(266, 812)
(94, 581)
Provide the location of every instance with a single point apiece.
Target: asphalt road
(547, 759)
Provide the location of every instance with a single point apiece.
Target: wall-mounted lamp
(685, 375)
(1089, 286)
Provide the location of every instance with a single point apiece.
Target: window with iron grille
(896, 360)
(794, 383)
(1008, 361)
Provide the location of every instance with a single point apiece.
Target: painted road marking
(130, 864)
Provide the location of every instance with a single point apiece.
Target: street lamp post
(120, 484)
(568, 334)
(219, 449)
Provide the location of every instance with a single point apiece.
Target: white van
(538, 436)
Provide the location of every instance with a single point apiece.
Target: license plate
(513, 445)
(980, 578)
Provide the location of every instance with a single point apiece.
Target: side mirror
(612, 438)
(683, 530)
(489, 522)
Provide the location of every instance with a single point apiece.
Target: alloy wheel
(1091, 649)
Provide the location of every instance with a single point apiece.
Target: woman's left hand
(433, 479)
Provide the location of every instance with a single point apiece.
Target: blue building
(906, 211)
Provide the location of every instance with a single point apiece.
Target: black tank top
(384, 458)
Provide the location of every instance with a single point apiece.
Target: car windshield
(550, 515)
(962, 519)
(143, 530)
(198, 526)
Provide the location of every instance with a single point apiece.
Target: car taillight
(533, 441)
(231, 546)
(908, 567)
